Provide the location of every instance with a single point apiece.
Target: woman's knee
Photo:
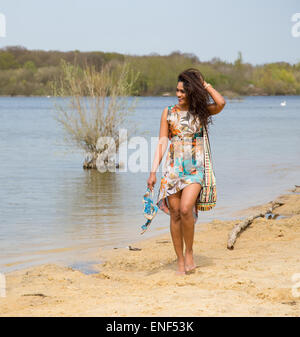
(185, 211)
(175, 214)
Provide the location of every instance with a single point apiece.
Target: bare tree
(98, 105)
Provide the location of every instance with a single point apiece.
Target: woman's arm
(220, 102)
(160, 149)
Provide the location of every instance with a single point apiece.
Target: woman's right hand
(151, 181)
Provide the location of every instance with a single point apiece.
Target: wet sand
(254, 279)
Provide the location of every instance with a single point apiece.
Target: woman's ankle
(189, 251)
(180, 260)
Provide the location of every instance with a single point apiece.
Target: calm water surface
(52, 210)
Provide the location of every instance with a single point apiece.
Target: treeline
(30, 72)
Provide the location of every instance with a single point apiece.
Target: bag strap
(208, 172)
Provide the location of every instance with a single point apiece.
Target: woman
(185, 124)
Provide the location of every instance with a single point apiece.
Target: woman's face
(181, 95)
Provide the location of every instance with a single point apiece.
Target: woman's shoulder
(171, 108)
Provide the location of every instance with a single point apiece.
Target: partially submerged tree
(98, 107)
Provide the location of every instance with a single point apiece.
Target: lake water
(53, 210)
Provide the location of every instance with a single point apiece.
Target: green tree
(30, 65)
(8, 61)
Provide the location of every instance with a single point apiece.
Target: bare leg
(188, 200)
(176, 229)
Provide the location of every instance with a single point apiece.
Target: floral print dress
(184, 163)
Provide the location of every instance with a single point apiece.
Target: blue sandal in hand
(150, 209)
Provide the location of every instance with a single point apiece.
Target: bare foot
(189, 262)
(190, 270)
(181, 267)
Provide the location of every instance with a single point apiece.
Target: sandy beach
(254, 279)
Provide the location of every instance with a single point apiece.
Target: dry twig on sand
(240, 227)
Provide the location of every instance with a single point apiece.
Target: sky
(260, 29)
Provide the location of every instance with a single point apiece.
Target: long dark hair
(197, 96)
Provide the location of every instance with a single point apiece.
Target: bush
(97, 105)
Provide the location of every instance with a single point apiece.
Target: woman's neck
(182, 108)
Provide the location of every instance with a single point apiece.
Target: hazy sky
(260, 29)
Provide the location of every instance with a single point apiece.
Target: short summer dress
(185, 161)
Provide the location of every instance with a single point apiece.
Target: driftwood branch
(240, 227)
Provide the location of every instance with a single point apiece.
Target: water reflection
(100, 207)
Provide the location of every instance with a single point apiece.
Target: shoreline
(254, 279)
(84, 265)
(230, 98)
